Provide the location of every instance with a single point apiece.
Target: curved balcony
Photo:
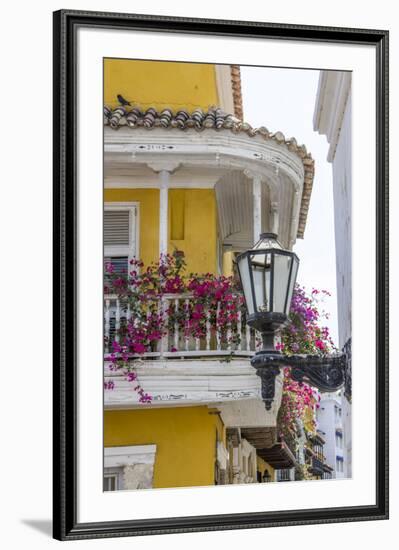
(214, 150)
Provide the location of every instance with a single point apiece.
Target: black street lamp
(268, 274)
(266, 478)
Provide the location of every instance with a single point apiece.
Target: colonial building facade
(183, 172)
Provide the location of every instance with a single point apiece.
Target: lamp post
(268, 274)
(266, 478)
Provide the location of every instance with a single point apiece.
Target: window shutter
(119, 237)
(116, 228)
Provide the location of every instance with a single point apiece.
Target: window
(318, 450)
(338, 440)
(120, 246)
(120, 234)
(284, 475)
(338, 412)
(110, 482)
(339, 464)
(129, 467)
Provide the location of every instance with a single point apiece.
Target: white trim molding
(332, 96)
(161, 149)
(117, 457)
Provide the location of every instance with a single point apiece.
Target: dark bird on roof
(122, 100)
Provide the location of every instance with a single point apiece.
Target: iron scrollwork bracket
(268, 365)
(328, 373)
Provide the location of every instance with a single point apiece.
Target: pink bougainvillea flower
(320, 345)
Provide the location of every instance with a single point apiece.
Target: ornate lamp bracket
(328, 373)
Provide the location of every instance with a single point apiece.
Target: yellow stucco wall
(227, 266)
(309, 417)
(192, 215)
(185, 438)
(220, 427)
(199, 227)
(160, 84)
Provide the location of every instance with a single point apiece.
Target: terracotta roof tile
(236, 87)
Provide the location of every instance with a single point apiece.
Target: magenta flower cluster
(305, 334)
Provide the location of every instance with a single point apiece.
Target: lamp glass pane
(261, 272)
(245, 276)
(282, 265)
(292, 281)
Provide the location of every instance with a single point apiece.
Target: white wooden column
(164, 181)
(274, 217)
(257, 205)
(164, 169)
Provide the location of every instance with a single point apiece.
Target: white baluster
(186, 336)
(239, 329)
(228, 335)
(218, 337)
(147, 315)
(107, 325)
(135, 318)
(117, 320)
(176, 327)
(208, 330)
(164, 312)
(128, 313)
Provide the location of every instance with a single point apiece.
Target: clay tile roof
(236, 87)
(216, 119)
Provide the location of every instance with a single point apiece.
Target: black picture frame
(66, 22)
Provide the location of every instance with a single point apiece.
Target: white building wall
(347, 421)
(333, 118)
(328, 423)
(342, 182)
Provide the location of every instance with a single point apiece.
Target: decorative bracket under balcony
(327, 373)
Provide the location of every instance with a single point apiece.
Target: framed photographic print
(221, 287)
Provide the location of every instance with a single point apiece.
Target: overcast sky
(284, 99)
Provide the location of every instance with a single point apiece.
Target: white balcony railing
(177, 342)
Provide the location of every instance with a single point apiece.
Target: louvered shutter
(116, 228)
(119, 236)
